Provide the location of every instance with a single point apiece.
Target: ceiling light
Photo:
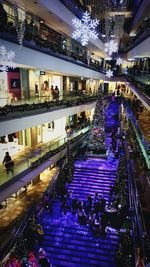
(131, 59)
(42, 21)
(132, 34)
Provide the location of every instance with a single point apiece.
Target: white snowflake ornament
(85, 28)
(6, 59)
(119, 61)
(111, 47)
(109, 73)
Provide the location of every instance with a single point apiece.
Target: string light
(20, 25)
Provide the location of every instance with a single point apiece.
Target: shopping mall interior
(75, 133)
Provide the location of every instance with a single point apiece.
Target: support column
(33, 136)
(36, 179)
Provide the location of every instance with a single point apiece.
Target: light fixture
(119, 61)
(108, 58)
(20, 24)
(111, 47)
(109, 73)
(41, 21)
(85, 28)
(6, 58)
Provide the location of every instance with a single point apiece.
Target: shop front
(42, 82)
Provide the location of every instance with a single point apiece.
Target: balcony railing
(17, 110)
(30, 160)
(141, 240)
(45, 39)
(142, 89)
(139, 135)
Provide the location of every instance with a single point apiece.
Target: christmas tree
(97, 144)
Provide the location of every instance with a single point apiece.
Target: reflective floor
(17, 206)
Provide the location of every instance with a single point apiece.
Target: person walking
(8, 163)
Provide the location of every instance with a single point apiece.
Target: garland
(51, 153)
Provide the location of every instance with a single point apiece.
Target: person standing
(12, 262)
(43, 259)
(52, 92)
(8, 163)
(56, 93)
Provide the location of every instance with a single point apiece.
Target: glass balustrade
(24, 160)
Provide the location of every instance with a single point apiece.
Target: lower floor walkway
(16, 207)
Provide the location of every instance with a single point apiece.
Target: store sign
(42, 72)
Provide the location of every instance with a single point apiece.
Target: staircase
(70, 244)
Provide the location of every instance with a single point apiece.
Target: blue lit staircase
(69, 244)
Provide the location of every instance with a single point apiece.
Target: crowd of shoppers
(41, 260)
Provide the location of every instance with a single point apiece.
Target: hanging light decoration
(6, 59)
(88, 56)
(109, 73)
(85, 28)
(20, 24)
(112, 17)
(119, 61)
(111, 47)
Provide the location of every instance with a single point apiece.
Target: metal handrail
(139, 90)
(131, 207)
(52, 43)
(46, 98)
(142, 141)
(138, 215)
(40, 107)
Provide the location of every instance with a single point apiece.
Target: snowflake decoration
(111, 47)
(85, 28)
(119, 61)
(6, 59)
(109, 73)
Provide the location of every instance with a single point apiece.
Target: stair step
(79, 258)
(80, 245)
(69, 245)
(95, 175)
(100, 171)
(98, 182)
(95, 253)
(57, 263)
(96, 178)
